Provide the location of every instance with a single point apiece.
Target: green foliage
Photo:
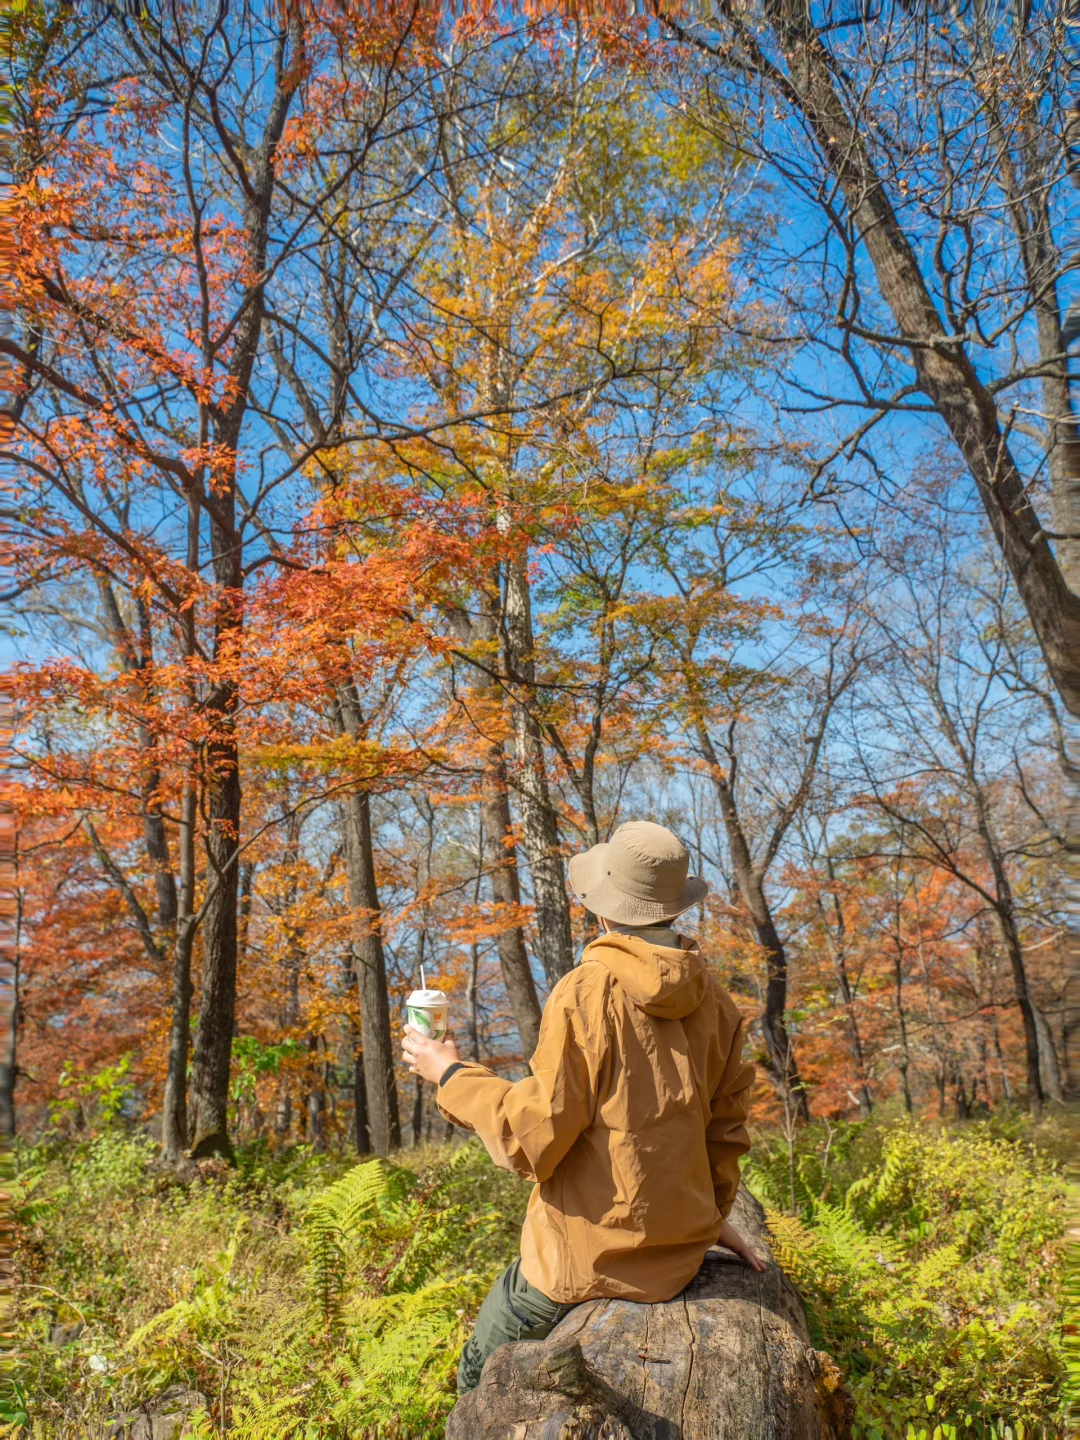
(205, 1314)
(930, 1262)
(97, 1100)
(1071, 1326)
(13, 1409)
(302, 1297)
(252, 1059)
(334, 1219)
(312, 1299)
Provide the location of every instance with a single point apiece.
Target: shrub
(930, 1262)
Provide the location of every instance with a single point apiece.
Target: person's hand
(426, 1057)
(730, 1238)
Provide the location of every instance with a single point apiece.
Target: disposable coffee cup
(428, 1011)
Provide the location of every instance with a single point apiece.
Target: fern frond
(940, 1265)
(854, 1248)
(326, 1262)
(351, 1199)
(267, 1419)
(334, 1216)
(792, 1242)
(405, 1349)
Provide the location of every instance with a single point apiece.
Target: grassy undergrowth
(305, 1296)
(311, 1299)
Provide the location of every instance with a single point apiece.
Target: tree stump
(728, 1359)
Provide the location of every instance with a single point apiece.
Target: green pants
(513, 1310)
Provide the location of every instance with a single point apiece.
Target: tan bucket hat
(639, 877)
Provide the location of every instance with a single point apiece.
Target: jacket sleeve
(726, 1137)
(529, 1126)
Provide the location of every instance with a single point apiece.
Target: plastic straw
(423, 982)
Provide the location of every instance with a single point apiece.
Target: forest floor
(308, 1297)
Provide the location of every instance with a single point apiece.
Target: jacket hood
(667, 982)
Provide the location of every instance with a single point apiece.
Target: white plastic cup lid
(427, 998)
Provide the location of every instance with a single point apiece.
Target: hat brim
(588, 876)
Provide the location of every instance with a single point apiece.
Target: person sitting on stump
(632, 1123)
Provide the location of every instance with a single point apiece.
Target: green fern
(334, 1217)
(400, 1362)
(271, 1418)
(869, 1259)
(936, 1269)
(915, 1285)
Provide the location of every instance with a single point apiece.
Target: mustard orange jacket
(631, 1124)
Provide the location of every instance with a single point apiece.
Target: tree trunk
(1028, 196)
(506, 891)
(866, 1099)
(472, 1001)
(283, 1114)
(961, 1100)
(157, 850)
(154, 836)
(941, 363)
(418, 1113)
(539, 823)
(905, 1058)
(369, 958)
(209, 1105)
(174, 1120)
(999, 1054)
(288, 1018)
(174, 1128)
(1014, 950)
(782, 1064)
(9, 957)
(1005, 914)
(1049, 1066)
(380, 1084)
(209, 1094)
(728, 1359)
(847, 992)
(983, 1078)
(316, 1099)
(774, 1022)
(498, 834)
(217, 1009)
(361, 1124)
